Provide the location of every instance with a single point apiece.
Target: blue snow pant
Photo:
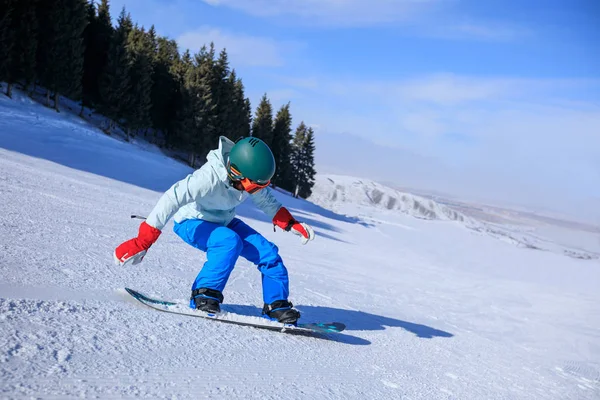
(224, 244)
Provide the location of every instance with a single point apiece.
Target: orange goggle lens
(248, 185)
(253, 187)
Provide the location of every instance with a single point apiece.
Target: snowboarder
(203, 207)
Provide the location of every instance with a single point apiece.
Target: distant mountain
(331, 191)
(360, 197)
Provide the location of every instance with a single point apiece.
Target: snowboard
(175, 307)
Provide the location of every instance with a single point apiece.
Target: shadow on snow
(354, 320)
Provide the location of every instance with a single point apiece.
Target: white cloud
(242, 49)
(448, 90)
(452, 89)
(490, 31)
(432, 18)
(332, 12)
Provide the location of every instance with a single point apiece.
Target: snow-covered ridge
(361, 197)
(332, 190)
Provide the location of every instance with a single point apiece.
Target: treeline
(143, 84)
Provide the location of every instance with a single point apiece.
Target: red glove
(133, 251)
(285, 221)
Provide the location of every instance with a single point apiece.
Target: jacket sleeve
(181, 193)
(265, 200)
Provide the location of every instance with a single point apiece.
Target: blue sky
(488, 100)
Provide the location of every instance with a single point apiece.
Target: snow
(434, 308)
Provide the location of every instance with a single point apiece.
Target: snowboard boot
(207, 300)
(281, 311)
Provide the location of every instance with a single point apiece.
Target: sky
(485, 100)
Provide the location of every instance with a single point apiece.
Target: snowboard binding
(281, 311)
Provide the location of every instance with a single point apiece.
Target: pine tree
(262, 126)
(165, 88)
(184, 113)
(211, 72)
(223, 92)
(196, 117)
(307, 181)
(7, 38)
(246, 122)
(140, 54)
(97, 37)
(281, 147)
(202, 81)
(48, 60)
(302, 158)
(115, 81)
(60, 47)
(71, 47)
(88, 83)
(296, 158)
(182, 66)
(21, 61)
(152, 40)
(241, 112)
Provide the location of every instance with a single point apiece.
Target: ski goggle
(249, 185)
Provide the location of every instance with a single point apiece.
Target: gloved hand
(133, 251)
(285, 221)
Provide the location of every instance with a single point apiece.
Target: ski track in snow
(434, 310)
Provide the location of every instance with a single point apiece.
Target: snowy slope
(434, 310)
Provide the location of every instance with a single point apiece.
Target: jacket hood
(218, 158)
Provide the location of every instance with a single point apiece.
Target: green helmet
(253, 159)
